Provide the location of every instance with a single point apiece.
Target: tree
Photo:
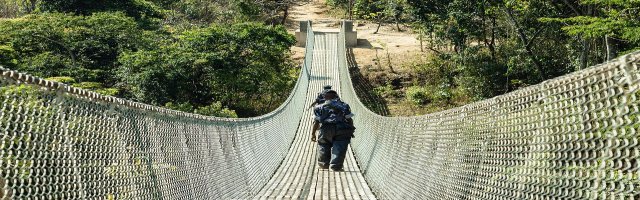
(134, 8)
(83, 47)
(498, 45)
(16, 8)
(238, 66)
(372, 10)
(119, 48)
(616, 22)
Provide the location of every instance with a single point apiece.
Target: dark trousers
(332, 146)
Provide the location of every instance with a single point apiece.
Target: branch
(435, 50)
(525, 41)
(573, 8)
(535, 35)
(73, 57)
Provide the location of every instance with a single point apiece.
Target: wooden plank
(299, 176)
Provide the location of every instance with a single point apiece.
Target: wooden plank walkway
(299, 177)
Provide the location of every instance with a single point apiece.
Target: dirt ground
(403, 47)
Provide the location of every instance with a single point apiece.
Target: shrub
(419, 95)
(386, 91)
(217, 110)
(62, 79)
(97, 87)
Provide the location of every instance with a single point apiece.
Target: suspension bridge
(572, 137)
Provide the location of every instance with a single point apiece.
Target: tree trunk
(612, 49)
(584, 54)
(586, 46)
(421, 37)
(389, 61)
(431, 39)
(285, 15)
(397, 19)
(350, 9)
(491, 43)
(507, 86)
(378, 29)
(378, 59)
(525, 41)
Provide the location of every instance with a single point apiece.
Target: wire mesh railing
(60, 142)
(572, 137)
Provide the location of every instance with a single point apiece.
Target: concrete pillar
(301, 34)
(351, 36)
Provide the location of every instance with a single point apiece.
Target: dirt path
(402, 46)
(314, 11)
(371, 53)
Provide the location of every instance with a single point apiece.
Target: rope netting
(572, 137)
(60, 142)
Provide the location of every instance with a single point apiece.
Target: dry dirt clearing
(402, 46)
(374, 53)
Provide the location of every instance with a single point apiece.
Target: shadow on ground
(321, 78)
(364, 44)
(363, 87)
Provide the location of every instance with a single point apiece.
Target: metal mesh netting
(59, 142)
(573, 137)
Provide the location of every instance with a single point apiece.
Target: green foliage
(378, 10)
(419, 95)
(7, 56)
(369, 9)
(201, 13)
(236, 65)
(482, 76)
(97, 87)
(118, 48)
(336, 3)
(15, 8)
(386, 91)
(197, 11)
(217, 110)
(133, 8)
(30, 94)
(83, 47)
(500, 46)
(49, 64)
(619, 19)
(62, 79)
(88, 85)
(184, 107)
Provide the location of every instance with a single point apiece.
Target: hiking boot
(337, 169)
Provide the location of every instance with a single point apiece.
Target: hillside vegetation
(479, 49)
(222, 58)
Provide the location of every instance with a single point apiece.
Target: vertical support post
(301, 34)
(350, 36)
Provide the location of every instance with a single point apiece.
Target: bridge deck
(299, 177)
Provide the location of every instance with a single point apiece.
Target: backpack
(341, 109)
(320, 98)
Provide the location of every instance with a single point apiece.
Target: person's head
(327, 87)
(330, 95)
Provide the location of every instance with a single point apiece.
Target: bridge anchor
(351, 36)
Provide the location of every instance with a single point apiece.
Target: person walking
(320, 98)
(334, 119)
